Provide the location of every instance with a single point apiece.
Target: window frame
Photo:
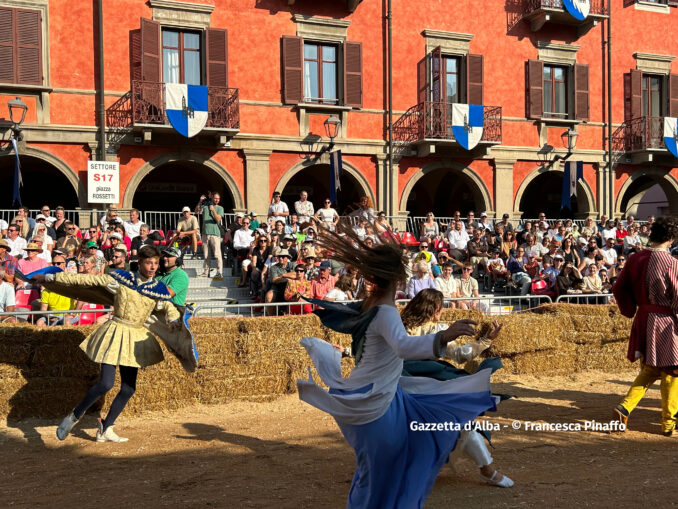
(567, 81)
(338, 72)
(461, 77)
(646, 94)
(202, 51)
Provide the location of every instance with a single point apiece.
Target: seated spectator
(7, 261)
(297, 288)
(516, 267)
(589, 229)
(621, 262)
(534, 247)
(31, 263)
(188, 229)
(40, 230)
(7, 295)
(70, 240)
(592, 282)
(497, 268)
(131, 227)
(342, 289)
(605, 281)
(120, 230)
(458, 239)
(115, 241)
(569, 252)
(429, 228)
(22, 225)
(43, 253)
(360, 228)
(50, 301)
(364, 210)
(421, 279)
(468, 288)
(508, 242)
(242, 242)
(278, 275)
(118, 260)
(446, 284)
(260, 254)
(381, 225)
(143, 239)
(532, 265)
(484, 222)
(478, 251)
(111, 216)
(15, 242)
(324, 281)
(569, 279)
(505, 223)
(609, 253)
(644, 234)
(426, 256)
(609, 232)
(632, 242)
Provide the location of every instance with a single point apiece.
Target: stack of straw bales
(43, 373)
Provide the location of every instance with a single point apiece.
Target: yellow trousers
(668, 389)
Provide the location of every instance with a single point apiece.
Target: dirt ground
(287, 454)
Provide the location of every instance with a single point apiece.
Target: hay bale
(609, 357)
(549, 362)
(524, 333)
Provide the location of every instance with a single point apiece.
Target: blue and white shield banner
(186, 107)
(671, 134)
(579, 9)
(467, 124)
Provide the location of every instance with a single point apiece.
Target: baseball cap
(558, 257)
(325, 265)
(253, 213)
(91, 243)
(582, 240)
(40, 216)
(172, 251)
(239, 214)
(505, 216)
(115, 236)
(185, 209)
(483, 214)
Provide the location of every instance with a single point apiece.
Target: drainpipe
(102, 105)
(610, 173)
(390, 207)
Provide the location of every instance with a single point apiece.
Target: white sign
(103, 182)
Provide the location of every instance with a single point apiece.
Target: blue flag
(574, 171)
(18, 181)
(335, 175)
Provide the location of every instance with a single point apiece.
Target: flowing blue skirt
(396, 465)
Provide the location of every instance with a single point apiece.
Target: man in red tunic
(648, 288)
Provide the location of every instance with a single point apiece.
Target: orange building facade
(277, 69)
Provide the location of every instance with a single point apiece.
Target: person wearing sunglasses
(70, 241)
(16, 243)
(297, 288)
(327, 216)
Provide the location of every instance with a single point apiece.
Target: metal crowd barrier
(25, 315)
(232, 310)
(585, 298)
(497, 304)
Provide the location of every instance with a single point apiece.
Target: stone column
(503, 187)
(601, 190)
(257, 194)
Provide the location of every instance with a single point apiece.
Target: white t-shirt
(3, 225)
(457, 239)
(610, 255)
(45, 255)
(6, 296)
(327, 215)
(279, 207)
(336, 294)
(610, 234)
(17, 246)
(132, 229)
(447, 287)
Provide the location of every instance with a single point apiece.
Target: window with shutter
(555, 91)
(535, 89)
(320, 73)
(20, 46)
(474, 73)
(673, 95)
(437, 70)
(633, 94)
(150, 51)
(353, 74)
(181, 57)
(651, 95)
(292, 69)
(581, 92)
(217, 57)
(423, 80)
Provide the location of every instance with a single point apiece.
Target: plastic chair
(90, 318)
(24, 298)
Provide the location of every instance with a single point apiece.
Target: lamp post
(17, 114)
(310, 145)
(569, 139)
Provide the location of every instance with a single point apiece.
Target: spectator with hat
(174, 277)
(485, 222)
(288, 243)
(505, 223)
(324, 281)
(188, 228)
(254, 222)
(41, 220)
(278, 275)
(92, 250)
(111, 216)
(7, 261)
(115, 240)
(15, 242)
(44, 253)
(297, 288)
(32, 261)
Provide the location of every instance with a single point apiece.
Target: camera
(207, 202)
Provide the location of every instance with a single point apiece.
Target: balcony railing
(145, 104)
(433, 120)
(598, 7)
(639, 134)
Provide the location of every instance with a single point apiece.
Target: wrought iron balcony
(431, 122)
(144, 106)
(540, 12)
(640, 139)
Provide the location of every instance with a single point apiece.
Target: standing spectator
(7, 261)
(324, 282)
(471, 220)
(174, 277)
(296, 289)
(15, 242)
(211, 238)
(458, 241)
(446, 284)
(278, 208)
(133, 225)
(303, 208)
(505, 223)
(420, 280)
(189, 228)
(139, 241)
(468, 288)
(47, 212)
(70, 241)
(60, 224)
(327, 216)
(478, 251)
(365, 210)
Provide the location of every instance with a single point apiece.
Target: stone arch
(481, 192)
(60, 165)
(589, 197)
(193, 157)
(347, 167)
(668, 183)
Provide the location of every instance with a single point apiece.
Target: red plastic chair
(160, 242)
(90, 318)
(24, 298)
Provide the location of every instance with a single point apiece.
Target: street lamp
(569, 139)
(310, 145)
(17, 114)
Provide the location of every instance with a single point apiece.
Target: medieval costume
(386, 417)
(648, 288)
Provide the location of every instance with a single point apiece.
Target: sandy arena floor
(287, 454)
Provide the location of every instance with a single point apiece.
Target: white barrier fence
(585, 298)
(31, 316)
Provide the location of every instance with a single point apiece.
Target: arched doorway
(43, 184)
(543, 193)
(648, 193)
(315, 180)
(177, 184)
(444, 191)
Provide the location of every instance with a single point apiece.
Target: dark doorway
(544, 194)
(443, 192)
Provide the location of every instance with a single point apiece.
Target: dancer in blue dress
(401, 428)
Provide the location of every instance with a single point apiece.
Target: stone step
(196, 271)
(198, 264)
(208, 282)
(204, 294)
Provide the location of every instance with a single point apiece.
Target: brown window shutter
(673, 95)
(353, 74)
(437, 93)
(633, 94)
(7, 67)
(422, 80)
(474, 79)
(292, 69)
(150, 51)
(217, 57)
(135, 54)
(535, 89)
(673, 3)
(28, 51)
(581, 92)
